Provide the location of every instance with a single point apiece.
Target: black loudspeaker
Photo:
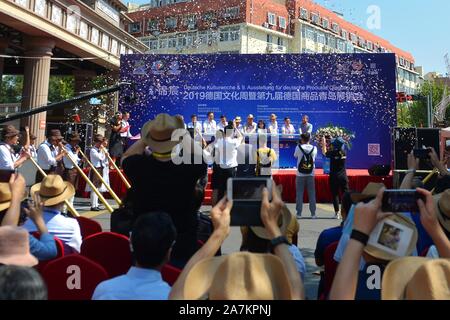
(407, 139)
(380, 170)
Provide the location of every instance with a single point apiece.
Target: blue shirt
(43, 248)
(326, 238)
(304, 128)
(136, 284)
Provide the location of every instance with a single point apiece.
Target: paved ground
(309, 232)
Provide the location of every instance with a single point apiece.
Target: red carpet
(358, 179)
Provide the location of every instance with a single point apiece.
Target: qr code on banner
(373, 149)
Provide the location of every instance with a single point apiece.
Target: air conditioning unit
(270, 48)
(265, 24)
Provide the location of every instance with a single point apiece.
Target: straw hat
(10, 131)
(370, 191)
(15, 247)
(238, 118)
(5, 196)
(157, 133)
(416, 278)
(55, 133)
(74, 137)
(238, 276)
(283, 223)
(442, 203)
(53, 190)
(386, 256)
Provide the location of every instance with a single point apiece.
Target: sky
(417, 26)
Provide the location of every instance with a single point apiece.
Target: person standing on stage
(70, 172)
(125, 133)
(223, 123)
(97, 158)
(115, 140)
(338, 176)
(287, 128)
(250, 126)
(105, 165)
(261, 127)
(273, 126)
(195, 124)
(239, 126)
(9, 160)
(210, 126)
(49, 154)
(305, 126)
(305, 153)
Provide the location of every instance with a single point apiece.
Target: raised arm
(323, 145)
(413, 164)
(17, 186)
(437, 163)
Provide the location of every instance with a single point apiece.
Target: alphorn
(127, 184)
(111, 191)
(89, 182)
(72, 210)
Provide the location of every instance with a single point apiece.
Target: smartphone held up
(403, 200)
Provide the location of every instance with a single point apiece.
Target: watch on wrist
(359, 236)
(279, 240)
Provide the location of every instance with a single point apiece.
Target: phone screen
(248, 190)
(401, 201)
(5, 175)
(422, 153)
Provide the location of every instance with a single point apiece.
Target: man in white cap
(250, 126)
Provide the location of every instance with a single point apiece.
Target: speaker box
(407, 139)
(380, 170)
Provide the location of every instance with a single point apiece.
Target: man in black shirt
(338, 175)
(157, 183)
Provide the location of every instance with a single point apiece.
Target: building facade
(258, 26)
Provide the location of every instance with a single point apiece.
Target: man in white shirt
(287, 128)
(239, 126)
(151, 241)
(97, 158)
(250, 126)
(273, 126)
(226, 154)
(52, 192)
(210, 126)
(305, 153)
(8, 158)
(223, 123)
(49, 154)
(70, 172)
(195, 124)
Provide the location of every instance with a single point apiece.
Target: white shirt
(198, 126)
(288, 130)
(7, 157)
(298, 154)
(221, 125)
(47, 155)
(226, 152)
(70, 153)
(33, 151)
(97, 157)
(250, 128)
(66, 229)
(273, 127)
(210, 127)
(299, 260)
(127, 133)
(433, 253)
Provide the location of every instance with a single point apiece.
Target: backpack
(306, 165)
(260, 163)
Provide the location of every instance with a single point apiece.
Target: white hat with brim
(157, 133)
(53, 190)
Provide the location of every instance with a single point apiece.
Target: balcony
(274, 48)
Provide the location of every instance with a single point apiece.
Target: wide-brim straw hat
(238, 276)
(157, 133)
(56, 133)
(15, 247)
(283, 223)
(416, 278)
(442, 203)
(74, 137)
(370, 191)
(387, 256)
(5, 196)
(53, 190)
(10, 131)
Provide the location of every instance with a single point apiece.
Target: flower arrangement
(331, 131)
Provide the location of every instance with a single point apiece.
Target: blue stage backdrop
(354, 91)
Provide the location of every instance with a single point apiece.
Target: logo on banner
(174, 67)
(158, 67)
(374, 149)
(357, 65)
(139, 67)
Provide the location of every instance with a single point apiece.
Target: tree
(11, 89)
(61, 88)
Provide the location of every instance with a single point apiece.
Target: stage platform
(358, 179)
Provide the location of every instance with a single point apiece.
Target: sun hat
(157, 133)
(283, 222)
(74, 137)
(56, 133)
(416, 278)
(370, 191)
(5, 196)
(238, 276)
(10, 131)
(53, 190)
(442, 203)
(238, 118)
(15, 247)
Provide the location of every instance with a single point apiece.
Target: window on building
(229, 34)
(163, 43)
(353, 38)
(361, 42)
(224, 35)
(232, 12)
(350, 48)
(321, 37)
(235, 33)
(272, 19)
(105, 42)
(315, 18)
(344, 34)
(335, 27)
(280, 41)
(303, 14)
(341, 45)
(282, 22)
(171, 22)
(310, 34)
(191, 38)
(181, 41)
(325, 23)
(172, 42)
(203, 37)
(402, 61)
(370, 45)
(153, 45)
(269, 38)
(190, 21)
(152, 25)
(134, 27)
(331, 41)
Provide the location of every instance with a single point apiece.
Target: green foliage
(61, 88)
(11, 89)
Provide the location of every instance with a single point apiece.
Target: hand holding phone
(422, 153)
(401, 200)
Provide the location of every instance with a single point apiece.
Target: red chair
(170, 274)
(111, 250)
(73, 277)
(59, 249)
(88, 226)
(330, 266)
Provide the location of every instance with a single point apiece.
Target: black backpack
(306, 165)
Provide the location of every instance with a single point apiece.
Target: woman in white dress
(105, 168)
